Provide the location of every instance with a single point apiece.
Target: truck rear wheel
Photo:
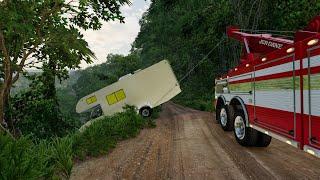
(224, 120)
(263, 140)
(145, 112)
(245, 136)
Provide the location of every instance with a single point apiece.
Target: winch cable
(200, 62)
(192, 69)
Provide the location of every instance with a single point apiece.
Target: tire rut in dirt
(248, 165)
(196, 153)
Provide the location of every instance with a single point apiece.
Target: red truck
(274, 91)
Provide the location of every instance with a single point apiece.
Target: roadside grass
(54, 158)
(202, 102)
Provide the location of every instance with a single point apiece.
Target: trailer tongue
(274, 91)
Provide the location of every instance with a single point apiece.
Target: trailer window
(120, 95)
(91, 100)
(115, 97)
(111, 98)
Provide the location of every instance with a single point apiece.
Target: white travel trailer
(144, 89)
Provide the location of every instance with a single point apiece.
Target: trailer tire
(145, 111)
(224, 120)
(244, 135)
(263, 140)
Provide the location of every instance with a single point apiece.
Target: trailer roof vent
(125, 76)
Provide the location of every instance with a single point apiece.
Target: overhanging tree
(36, 33)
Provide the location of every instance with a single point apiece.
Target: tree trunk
(1, 107)
(4, 95)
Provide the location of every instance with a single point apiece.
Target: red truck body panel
(280, 86)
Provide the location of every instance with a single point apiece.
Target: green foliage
(67, 101)
(151, 121)
(34, 114)
(22, 159)
(47, 35)
(47, 28)
(184, 31)
(103, 134)
(62, 155)
(53, 158)
(17, 159)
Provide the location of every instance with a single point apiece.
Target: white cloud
(115, 37)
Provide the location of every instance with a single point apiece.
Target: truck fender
(222, 98)
(243, 107)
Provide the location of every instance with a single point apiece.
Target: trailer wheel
(263, 140)
(224, 120)
(245, 136)
(145, 112)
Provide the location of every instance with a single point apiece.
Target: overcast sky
(115, 37)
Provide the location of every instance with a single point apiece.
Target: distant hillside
(23, 82)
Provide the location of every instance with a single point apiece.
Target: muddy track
(187, 144)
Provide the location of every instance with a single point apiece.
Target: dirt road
(187, 144)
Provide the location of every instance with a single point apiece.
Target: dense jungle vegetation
(38, 108)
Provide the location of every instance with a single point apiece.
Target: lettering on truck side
(270, 44)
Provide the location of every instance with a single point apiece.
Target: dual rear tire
(223, 118)
(245, 136)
